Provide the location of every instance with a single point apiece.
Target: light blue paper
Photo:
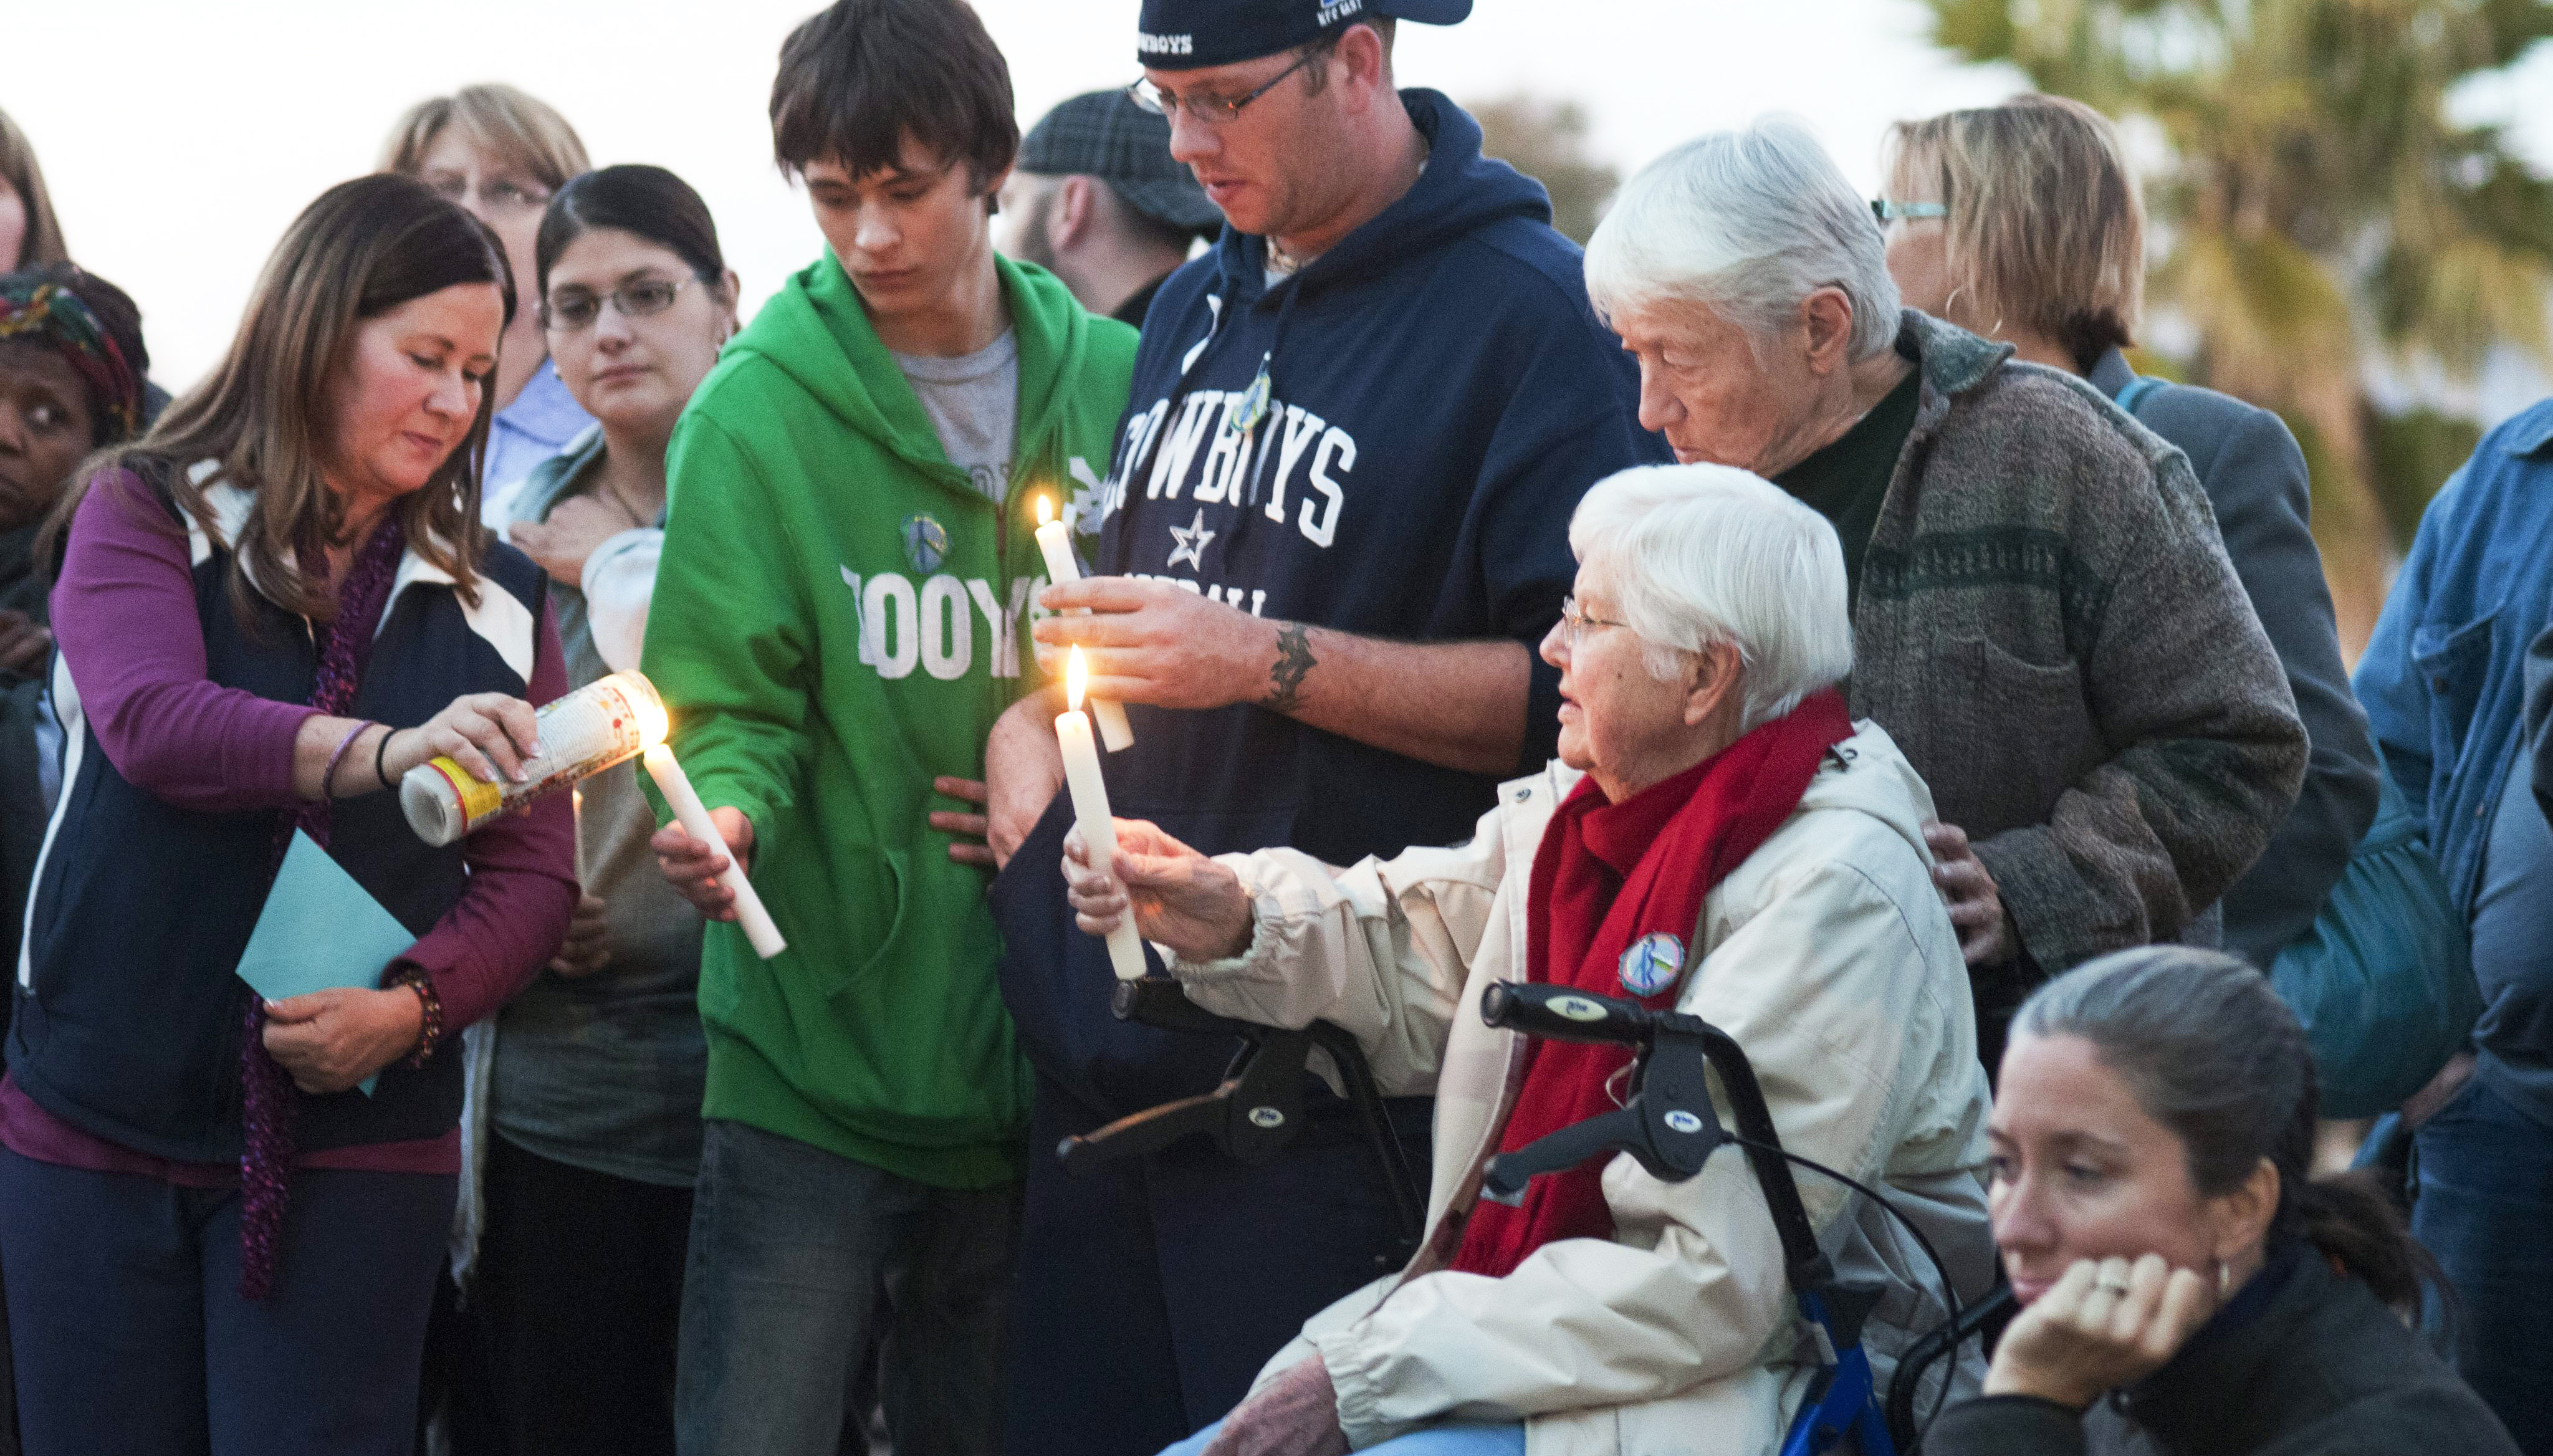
(319, 930)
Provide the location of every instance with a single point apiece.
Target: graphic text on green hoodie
(840, 616)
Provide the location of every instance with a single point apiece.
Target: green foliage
(2310, 137)
(2413, 453)
(2322, 212)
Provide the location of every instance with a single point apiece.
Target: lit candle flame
(652, 723)
(1077, 679)
(1046, 510)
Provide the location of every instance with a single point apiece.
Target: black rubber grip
(1565, 1015)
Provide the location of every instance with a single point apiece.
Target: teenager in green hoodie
(840, 615)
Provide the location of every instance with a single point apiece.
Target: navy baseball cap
(1190, 35)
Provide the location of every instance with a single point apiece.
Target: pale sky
(180, 138)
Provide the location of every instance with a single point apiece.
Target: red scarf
(1610, 877)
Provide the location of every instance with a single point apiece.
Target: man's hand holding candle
(1054, 542)
(693, 868)
(1178, 897)
(700, 824)
(1150, 642)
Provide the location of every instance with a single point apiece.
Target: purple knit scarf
(271, 1103)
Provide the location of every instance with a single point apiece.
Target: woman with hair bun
(220, 1216)
(2151, 1137)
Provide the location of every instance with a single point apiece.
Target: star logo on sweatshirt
(1192, 542)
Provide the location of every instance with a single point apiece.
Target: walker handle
(1562, 1014)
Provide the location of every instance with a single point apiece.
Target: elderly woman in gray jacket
(2044, 616)
(1719, 837)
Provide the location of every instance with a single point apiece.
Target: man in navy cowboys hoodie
(1334, 529)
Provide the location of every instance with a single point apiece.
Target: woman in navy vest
(269, 609)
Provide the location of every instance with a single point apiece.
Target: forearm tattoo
(1293, 660)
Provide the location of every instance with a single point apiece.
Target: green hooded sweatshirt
(840, 615)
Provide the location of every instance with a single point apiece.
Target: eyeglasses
(1574, 622)
(1887, 211)
(575, 309)
(1213, 111)
(498, 198)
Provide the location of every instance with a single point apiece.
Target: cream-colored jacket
(1830, 959)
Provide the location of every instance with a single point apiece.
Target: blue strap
(2135, 391)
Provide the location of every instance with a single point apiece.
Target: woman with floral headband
(71, 364)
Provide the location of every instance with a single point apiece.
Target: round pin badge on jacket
(1652, 963)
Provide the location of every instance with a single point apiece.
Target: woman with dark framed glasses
(593, 1094)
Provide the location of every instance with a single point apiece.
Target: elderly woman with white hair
(2043, 615)
(1719, 836)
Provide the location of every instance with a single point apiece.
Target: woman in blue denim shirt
(2445, 682)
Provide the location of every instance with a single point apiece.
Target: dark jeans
(2486, 1211)
(568, 1333)
(791, 1247)
(131, 1335)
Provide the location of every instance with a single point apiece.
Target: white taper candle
(1090, 812)
(695, 818)
(1052, 539)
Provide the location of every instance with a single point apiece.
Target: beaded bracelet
(328, 775)
(431, 1033)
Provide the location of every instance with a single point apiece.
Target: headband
(51, 314)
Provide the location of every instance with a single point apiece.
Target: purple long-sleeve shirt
(123, 615)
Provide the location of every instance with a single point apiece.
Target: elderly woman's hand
(2102, 1325)
(1180, 898)
(1295, 1414)
(1977, 905)
(328, 1040)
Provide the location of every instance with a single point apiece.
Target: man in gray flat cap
(1097, 200)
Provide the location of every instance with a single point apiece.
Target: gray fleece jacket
(2049, 628)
